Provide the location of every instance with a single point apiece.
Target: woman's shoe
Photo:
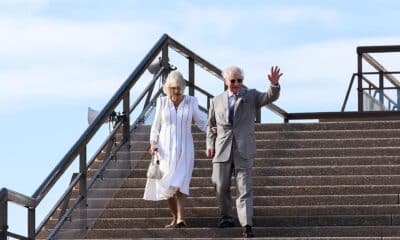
(171, 225)
(180, 225)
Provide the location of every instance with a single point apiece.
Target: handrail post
(165, 62)
(359, 88)
(31, 223)
(398, 100)
(82, 186)
(3, 219)
(191, 76)
(258, 115)
(126, 111)
(381, 85)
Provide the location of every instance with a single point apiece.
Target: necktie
(232, 108)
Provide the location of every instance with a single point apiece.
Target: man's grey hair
(174, 78)
(232, 69)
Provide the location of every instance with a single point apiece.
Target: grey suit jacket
(249, 100)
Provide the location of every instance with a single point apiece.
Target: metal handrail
(104, 144)
(65, 217)
(198, 60)
(18, 198)
(62, 198)
(146, 90)
(378, 88)
(344, 115)
(102, 168)
(374, 63)
(390, 100)
(348, 92)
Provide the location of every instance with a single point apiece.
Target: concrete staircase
(330, 180)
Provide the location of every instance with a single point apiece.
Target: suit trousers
(221, 178)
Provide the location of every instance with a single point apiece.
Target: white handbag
(154, 171)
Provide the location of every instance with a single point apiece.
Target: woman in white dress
(171, 137)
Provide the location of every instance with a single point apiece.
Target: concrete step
(292, 152)
(299, 143)
(332, 231)
(288, 238)
(272, 181)
(301, 200)
(275, 162)
(311, 134)
(279, 171)
(321, 126)
(258, 211)
(258, 191)
(265, 221)
(270, 238)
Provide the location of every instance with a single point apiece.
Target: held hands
(275, 75)
(153, 147)
(210, 152)
(213, 129)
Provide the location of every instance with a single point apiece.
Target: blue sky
(58, 57)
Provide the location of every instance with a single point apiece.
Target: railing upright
(359, 82)
(164, 62)
(31, 222)
(3, 214)
(82, 185)
(398, 100)
(381, 86)
(191, 76)
(126, 123)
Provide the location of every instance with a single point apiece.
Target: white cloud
(208, 20)
(33, 37)
(231, 21)
(21, 8)
(36, 84)
(21, 2)
(291, 14)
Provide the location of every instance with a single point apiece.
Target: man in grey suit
(232, 145)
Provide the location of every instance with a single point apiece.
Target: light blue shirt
(231, 99)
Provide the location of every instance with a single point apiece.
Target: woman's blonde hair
(174, 78)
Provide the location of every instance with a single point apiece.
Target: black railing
(363, 53)
(373, 90)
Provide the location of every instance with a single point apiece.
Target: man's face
(234, 81)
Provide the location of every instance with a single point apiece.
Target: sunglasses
(175, 88)
(236, 80)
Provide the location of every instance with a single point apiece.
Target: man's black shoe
(248, 232)
(226, 224)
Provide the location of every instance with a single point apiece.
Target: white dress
(172, 131)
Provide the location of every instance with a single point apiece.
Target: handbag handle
(156, 158)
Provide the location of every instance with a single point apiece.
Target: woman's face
(175, 92)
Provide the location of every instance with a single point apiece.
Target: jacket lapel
(226, 105)
(241, 97)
